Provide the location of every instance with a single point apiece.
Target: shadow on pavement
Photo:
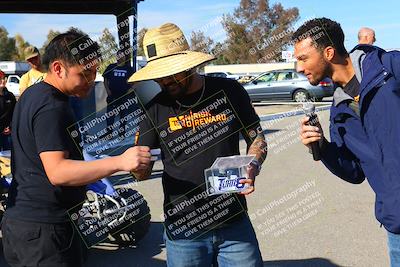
(313, 262)
(150, 246)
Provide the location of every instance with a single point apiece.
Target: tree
(200, 43)
(21, 45)
(109, 49)
(8, 51)
(50, 35)
(140, 36)
(219, 51)
(257, 33)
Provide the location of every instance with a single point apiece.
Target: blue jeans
(394, 249)
(234, 245)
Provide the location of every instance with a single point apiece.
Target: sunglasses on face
(174, 77)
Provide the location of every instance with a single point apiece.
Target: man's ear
(57, 68)
(329, 53)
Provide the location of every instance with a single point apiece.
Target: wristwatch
(256, 164)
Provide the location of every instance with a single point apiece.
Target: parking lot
(302, 214)
(328, 222)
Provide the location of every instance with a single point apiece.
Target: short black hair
(323, 32)
(74, 47)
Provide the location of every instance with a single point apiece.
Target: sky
(205, 15)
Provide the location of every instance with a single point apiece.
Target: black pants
(41, 244)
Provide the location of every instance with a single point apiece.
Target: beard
(325, 72)
(175, 91)
(314, 82)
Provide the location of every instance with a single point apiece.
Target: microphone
(309, 110)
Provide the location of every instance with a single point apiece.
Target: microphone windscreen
(308, 108)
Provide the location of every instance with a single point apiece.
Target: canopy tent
(122, 9)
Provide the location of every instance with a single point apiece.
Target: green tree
(8, 51)
(20, 44)
(219, 51)
(50, 35)
(200, 43)
(109, 49)
(258, 32)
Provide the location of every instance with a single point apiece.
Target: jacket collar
(366, 60)
(339, 96)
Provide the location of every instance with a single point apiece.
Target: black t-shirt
(352, 88)
(117, 77)
(41, 118)
(190, 140)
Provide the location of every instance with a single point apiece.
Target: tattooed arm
(256, 145)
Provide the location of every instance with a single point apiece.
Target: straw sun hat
(167, 53)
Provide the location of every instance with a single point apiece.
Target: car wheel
(300, 95)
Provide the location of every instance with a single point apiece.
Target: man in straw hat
(35, 74)
(194, 120)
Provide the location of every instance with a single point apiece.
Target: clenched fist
(135, 159)
(309, 134)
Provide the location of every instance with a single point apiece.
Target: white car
(12, 84)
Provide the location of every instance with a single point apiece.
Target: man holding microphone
(364, 125)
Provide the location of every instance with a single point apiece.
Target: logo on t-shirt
(120, 73)
(194, 119)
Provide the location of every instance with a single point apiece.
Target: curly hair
(323, 33)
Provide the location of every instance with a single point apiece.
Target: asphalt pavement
(302, 214)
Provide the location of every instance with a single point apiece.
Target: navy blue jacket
(367, 145)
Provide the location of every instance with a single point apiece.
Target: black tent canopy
(122, 9)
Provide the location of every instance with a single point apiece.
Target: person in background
(366, 36)
(7, 104)
(35, 74)
(116, 83)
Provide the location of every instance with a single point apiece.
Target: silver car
(224, 75)
(287, 84)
